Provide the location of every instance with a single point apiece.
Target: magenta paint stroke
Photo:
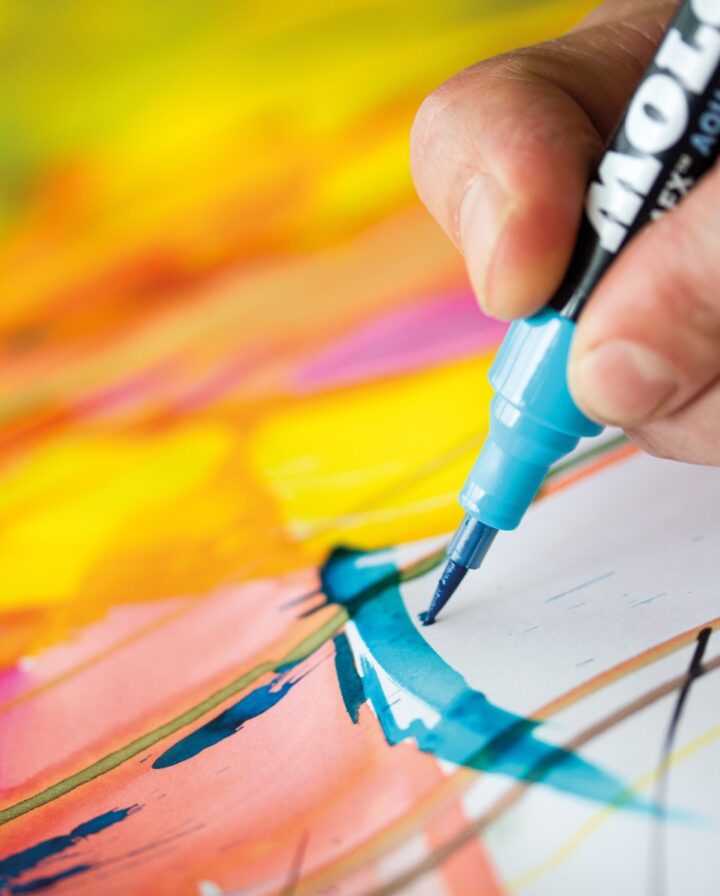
(431, 331)
(13, 681)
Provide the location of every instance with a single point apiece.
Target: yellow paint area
(81, 501)
(218, 193)
(93, 519)
(377, 463)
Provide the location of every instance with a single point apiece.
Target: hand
(502, 155)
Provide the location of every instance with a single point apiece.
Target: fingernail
(484, 211)
(622, 382)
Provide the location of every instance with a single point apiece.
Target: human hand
(502, 154)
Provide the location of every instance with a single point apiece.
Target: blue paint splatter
(14, 866)
(471, 730)
(351, 686)
(229, 722)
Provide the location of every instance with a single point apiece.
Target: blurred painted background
(229, 335)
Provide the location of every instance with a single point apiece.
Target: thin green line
(579, 459)
(422, 566)
(297, 653)
(113, 760)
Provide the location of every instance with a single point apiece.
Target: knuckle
(701, 248)
(687, 277)
(683, 261)
(430, 124)
(443, 111)
(424, 135)
(442, 137)
(652, 440)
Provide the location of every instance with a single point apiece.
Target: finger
(502, 153)
(648, 342)
(690, 434)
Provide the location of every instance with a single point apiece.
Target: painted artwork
(243, 378)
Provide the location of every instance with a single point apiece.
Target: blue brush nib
(452, 575)
(466, 551)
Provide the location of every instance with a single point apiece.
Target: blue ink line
(579, 587)
(648, 600)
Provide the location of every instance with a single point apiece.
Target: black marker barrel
(667, 139)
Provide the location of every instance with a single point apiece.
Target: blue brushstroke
(351, 685)
(14, 866)
(472, 731)
(229, 722)
(44, 883)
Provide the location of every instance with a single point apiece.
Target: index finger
(501, 154)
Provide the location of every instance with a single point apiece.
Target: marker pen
(667, 139)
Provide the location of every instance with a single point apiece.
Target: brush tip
(452, 575)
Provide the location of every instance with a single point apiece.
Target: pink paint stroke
(436, 329)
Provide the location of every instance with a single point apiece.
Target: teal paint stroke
(471, 730)
(351, 685)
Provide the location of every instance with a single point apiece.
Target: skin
(501, 156)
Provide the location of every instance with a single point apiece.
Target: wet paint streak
(14, 866)
(44, 883)
(351, 686)
(229, 722)
(471, 730)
